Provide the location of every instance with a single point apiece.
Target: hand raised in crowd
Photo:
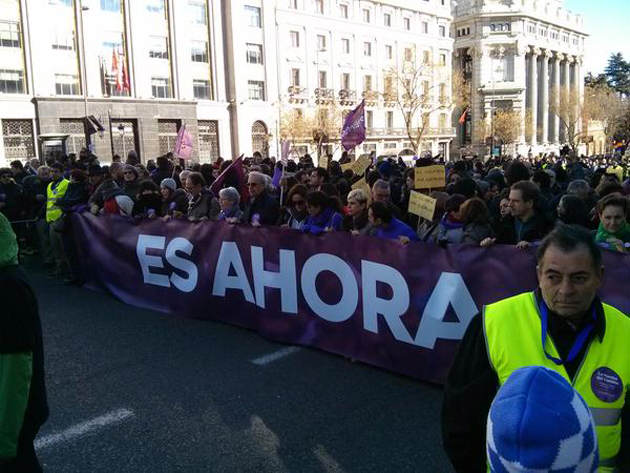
(232, 220)
(94, 209)
(522, 245)
(487, 242)
(404, 240)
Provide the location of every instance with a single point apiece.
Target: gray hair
(579, 186)
(381, 184)
(183, 176)
(231, 194)
(260, 178)
(358, 195)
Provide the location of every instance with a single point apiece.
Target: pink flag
(184, 144)
(235, 175)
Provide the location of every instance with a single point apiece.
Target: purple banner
(353, 131)
(400, 308)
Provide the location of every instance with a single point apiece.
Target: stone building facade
(518, 55)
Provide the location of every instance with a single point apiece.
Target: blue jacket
(395, 229)
(328, 218)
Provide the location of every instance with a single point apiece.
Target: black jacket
(535, 229)
(472, 384)
(267, 208)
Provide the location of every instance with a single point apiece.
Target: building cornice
(518, 15)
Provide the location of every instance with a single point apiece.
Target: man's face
(380, 195)
(518, 206)
(355, 207)
(56, 174)
(5, 178)
(255, 187)
(43, 173)
(569, 281)
(191, 188)
(305, 179)
(504, 207)
(613, 218)
(129, 176)
(315, 180)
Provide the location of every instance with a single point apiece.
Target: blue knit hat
(539, 424)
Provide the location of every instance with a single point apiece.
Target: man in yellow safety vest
(55, 191)
(563, 326)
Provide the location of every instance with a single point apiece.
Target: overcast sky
(607, 23)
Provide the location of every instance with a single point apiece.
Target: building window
(256, 89)
(156, 6)
(442, 30)
(367, 83)
(366, 15)
(323, 79)
(201, 89)
(321, 42)
(199, 51)
(426, 57)
(167, 134)
(295, 77)
(253, 16)
(11, 81)
(160, 87)
(208, 140)
(76, 131)
(407, 23)
(389, 51)
(67, 84)
(295, 39)
(254, 53)
(319, 6)
(110, 5)
(9, 34)
(387, 19)
(389, 118)
(343, 10)
(367, 48)
(18, 139)
(158, 47)
(345, 81)
(425, 27)
(293, 4)
(198, 12)
(408, 54)
(442, 59)
(369, 119)
(345, 45)
(63, 40)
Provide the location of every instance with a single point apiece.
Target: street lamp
(499, 54)
(82, 8)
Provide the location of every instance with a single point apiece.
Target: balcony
(347, 97)
(386, 132)
(445, 131)
(390, 99)
(323, 96)
(298, 94)
(370, 97)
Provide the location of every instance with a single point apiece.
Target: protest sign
(323, 161)
(430, 177)
(346, 166)
(421, 205)
(402, 309)
(360, 165)
(362, 184)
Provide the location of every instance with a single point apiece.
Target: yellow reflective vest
(513, 332)
(52, 195)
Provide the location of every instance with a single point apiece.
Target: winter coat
(475, 233)
(326, 219)
(147, 203)
(395, 229)
(294, 221)
(266, 207)
(234, 212)
(360, 223)
(177, 202)
(103, 192)
(533, 230)
(77, 194)
(450, 231)
(204, 205)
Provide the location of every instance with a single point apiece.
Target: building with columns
(521, 55)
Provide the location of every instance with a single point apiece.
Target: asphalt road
(133, 390)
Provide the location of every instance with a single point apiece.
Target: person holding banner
(323, 213)
(319, 176)
(202, 205)
(563, 326)
(295, 214)
(357, 221)
(388, 227)
(229, 200)
(262, 209)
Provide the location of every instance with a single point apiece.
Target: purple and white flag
(353, 131)
(184, 144)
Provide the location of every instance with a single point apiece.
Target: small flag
(184, 144)
(462, 119)
(234, 172)
(353, 131)
(284, 157)
(277, 177)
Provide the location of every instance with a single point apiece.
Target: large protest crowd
(484, 202)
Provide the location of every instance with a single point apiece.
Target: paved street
(136, 391)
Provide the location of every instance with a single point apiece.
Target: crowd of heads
(484, 202)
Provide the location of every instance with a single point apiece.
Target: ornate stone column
(544, 96)
(566, 91)
(555, 89)
(533, 92)
(520, 68)
(580, 90)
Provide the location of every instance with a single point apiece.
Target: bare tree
(319, 125)
(569, 108)
(603, 104)
(507, 126)
(419, 90)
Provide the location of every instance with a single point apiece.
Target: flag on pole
(234, 174)
(125, 75)
(284, 157)
(184, 144)
(462, 119)
(116, 69)
(353, 131)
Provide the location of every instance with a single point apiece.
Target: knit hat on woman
(169, 183)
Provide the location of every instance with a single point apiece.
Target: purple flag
(277, 176)
(353, 131)
(286, 146)
(184, 144)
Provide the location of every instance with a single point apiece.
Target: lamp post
(499, 54)
(81, 9)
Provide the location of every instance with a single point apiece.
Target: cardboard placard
(422, 205)
(360, 165)
(323, 161)
(430, 177)
(346, 166)
(362, 184)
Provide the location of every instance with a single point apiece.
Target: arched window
(259, 138)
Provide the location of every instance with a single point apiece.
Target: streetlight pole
(88, 144)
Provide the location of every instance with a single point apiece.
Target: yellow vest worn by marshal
(52, 195)
(513, 332)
